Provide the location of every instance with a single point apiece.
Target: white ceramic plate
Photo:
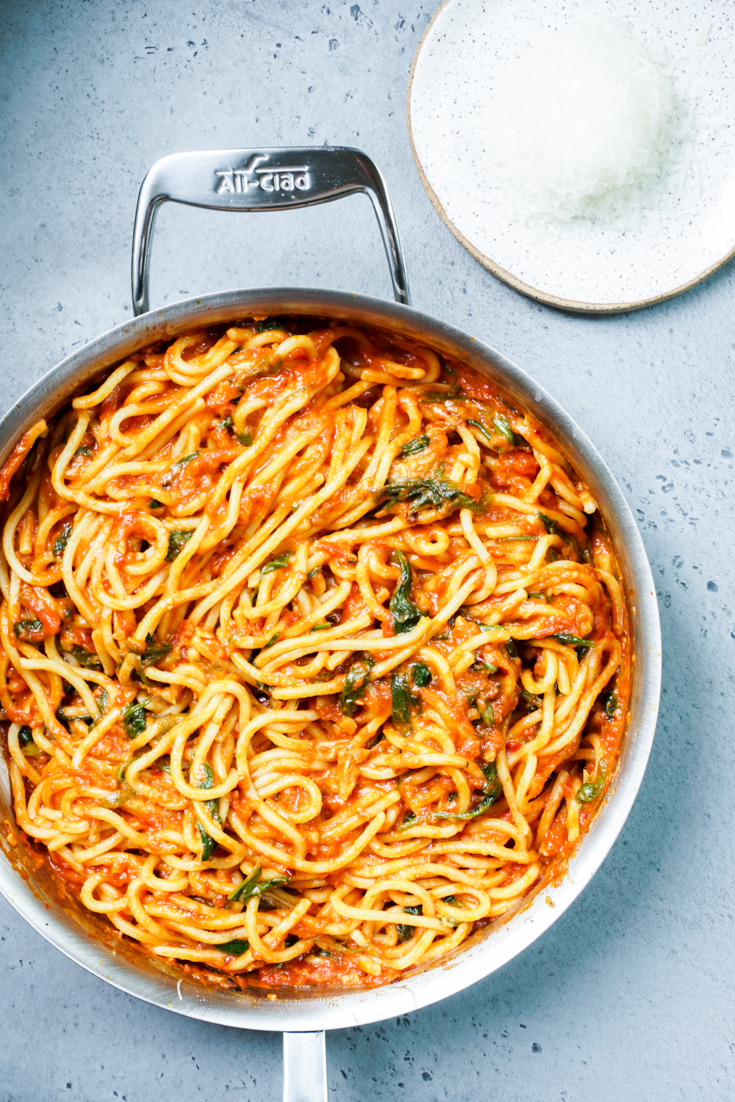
(606, 269)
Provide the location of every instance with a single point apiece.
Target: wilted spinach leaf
(134, 719)
(355, 685)
(490, 792)
(62, 539)
(413, 447)
(177, 541)
(405, 613)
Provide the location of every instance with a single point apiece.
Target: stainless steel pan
(265, 180)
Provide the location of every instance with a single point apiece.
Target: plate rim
(571, 305)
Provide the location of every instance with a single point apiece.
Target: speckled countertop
(630, 995)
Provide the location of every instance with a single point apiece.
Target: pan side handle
(262, 179)
(304, 1067)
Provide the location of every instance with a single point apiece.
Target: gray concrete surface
(630, 996)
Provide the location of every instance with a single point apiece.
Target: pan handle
(304, 1067)
(262, 179)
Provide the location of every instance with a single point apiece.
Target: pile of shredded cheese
(582, 123)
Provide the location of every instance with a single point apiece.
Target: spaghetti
(314, 658)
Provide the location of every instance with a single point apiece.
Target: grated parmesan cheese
(582, 124)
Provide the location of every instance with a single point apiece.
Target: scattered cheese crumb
(704, 33)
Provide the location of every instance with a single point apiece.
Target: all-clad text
(253, 176)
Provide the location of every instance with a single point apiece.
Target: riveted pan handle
(262, 179)
(304, 1067)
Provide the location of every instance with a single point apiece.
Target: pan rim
(348, 1007)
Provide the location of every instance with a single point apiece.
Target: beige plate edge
(571, 305)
